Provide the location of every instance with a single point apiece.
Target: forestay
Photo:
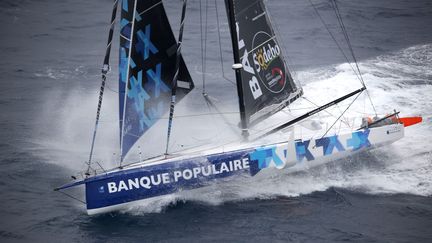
(146, 69)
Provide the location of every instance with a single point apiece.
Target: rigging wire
(334, 38)
(345, 32)
(202, 46)
(358, 74)
(203, 43)
(174, 80)
(70, 196)
(220, 113)
(326, 111)
(104, 72)
(220, 45)
(352, 102)
(347, 39)
(210, 105)
(111, 89)
(348, 42)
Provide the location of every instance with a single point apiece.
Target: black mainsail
(146, 68)
(264, 83)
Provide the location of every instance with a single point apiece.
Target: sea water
(50, 68)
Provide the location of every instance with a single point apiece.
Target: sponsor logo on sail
(268, 64)
(265, 55)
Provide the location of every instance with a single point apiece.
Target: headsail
(147, 63)
(266, 84)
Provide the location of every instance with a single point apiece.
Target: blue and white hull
(120, 188)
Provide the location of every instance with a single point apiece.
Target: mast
(237, 66)
(174, 81)
(105, 69)
(264, 83)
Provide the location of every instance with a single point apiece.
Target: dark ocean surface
(51, 54)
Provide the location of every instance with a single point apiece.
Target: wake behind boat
(154, 77)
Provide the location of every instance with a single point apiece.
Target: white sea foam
(401, 80)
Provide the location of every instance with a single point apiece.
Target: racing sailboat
(153, 77)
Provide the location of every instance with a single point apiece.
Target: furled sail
(265, 82)
(146, 69)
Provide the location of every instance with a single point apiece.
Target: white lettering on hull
(147, 182)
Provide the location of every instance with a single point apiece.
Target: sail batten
(146, 69)
(150, 8)
(260, 45)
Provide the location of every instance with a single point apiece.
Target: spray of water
(399, 80)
